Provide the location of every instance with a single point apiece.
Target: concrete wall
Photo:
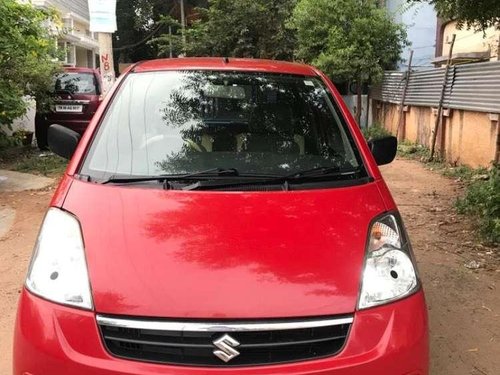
(471, 41)
(469, 138)
(26, 122)
(81, 58)
(351, 102)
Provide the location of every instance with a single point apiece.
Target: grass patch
(7, 142)
(482, 201)
(30, 160)
(375, 131)
(413, 151)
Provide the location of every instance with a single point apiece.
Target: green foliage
(464, 173)
(46, 165)
(6, 142)
(375, 131)
(477, 14)
(482, 200)
(413, 151)
(350, 40)
(162, 43)
(236, 28)
(29, 160)
(137, 21)
(27, 57)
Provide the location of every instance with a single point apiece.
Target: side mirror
(384, 149)
(62, 141)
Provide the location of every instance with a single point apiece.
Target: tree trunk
(359, 105)
(368, 109)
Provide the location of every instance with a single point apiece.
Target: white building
(80, 44)
(421, 23)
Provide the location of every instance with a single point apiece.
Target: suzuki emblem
(227, 345)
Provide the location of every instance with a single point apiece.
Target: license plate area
(69, 108)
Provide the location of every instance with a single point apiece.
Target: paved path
(11, 181)
(16, 181)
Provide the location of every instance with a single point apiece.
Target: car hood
(203, 254)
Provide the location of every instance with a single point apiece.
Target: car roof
(222, 63)
(79, 69)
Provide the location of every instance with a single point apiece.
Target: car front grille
(226, 344)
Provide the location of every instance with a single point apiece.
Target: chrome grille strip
(219, 327)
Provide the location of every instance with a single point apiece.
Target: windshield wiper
(322, 172)
(212, 173)
(307, 175)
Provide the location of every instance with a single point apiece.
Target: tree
(237, 28)
(349, 40)
(139, 21)
(477, 14)
(27, 57)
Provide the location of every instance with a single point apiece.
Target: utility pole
(183, 25)
(107, 66)
(439, 115)
(103, 22)
(170, 40)
(403, 97)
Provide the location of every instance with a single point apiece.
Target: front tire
(41, 133)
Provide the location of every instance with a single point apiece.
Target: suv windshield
(182, 122)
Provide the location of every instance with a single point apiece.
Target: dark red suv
(77, 95)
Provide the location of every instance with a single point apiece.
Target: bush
(28, 55)
(6, 141)
(482, 200)
(375, 131)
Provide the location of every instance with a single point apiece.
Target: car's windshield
(177, 122)
(76, 83)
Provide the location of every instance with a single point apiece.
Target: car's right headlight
(58, 270)
(389, 272)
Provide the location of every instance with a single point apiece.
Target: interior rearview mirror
(384, 149)
(62, 141)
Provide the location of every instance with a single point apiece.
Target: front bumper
(55, 340)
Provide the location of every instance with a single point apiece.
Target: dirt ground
(464, 301)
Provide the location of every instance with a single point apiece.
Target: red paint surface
(218, 63)
(56, 340)
(153, 252)
(200, 254)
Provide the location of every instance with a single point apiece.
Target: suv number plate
(68, 108)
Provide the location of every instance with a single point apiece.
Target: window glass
(76, 83)
(175, 122)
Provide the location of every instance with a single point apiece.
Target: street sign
(102, 16)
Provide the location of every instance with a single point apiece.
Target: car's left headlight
(58, 270)
(389, 272)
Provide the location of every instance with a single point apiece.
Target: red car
(222, 216)
(77, 95)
